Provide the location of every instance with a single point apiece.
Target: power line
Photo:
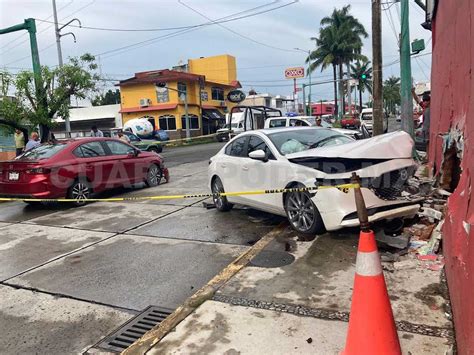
(388, 15)
(47, 28)
(419, 66)
(29, 55)
(237, 33)
(25, 33)
(147, 42)
(166, 28)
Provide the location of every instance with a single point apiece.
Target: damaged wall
(452, 156)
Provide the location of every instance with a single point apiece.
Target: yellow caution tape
(187, 139)
(343, 187)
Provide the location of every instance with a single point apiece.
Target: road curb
(152, 337)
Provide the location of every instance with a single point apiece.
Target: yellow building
(206, 82)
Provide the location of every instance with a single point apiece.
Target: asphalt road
(70, 276)
(191, 154)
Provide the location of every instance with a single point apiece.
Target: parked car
(161, 135)
(350, 121)
(313, 156)
(146, 145)
(276, 122)
(77, 168)
(367, 119)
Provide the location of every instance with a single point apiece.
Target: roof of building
(157, 76)
(92, 113)
(167, 75)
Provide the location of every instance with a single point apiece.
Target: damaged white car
(314, 156)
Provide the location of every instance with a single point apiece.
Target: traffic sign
(293, 73)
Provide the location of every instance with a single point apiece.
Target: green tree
(362, 71)
(75, 79)
(339, 42)
(109, 98)
(391, 93)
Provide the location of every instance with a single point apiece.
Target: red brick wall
(452, 110)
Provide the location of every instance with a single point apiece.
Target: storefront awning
(212, 114)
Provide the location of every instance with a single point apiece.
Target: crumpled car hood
(393, 145)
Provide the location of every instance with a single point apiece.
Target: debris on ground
(418, 242)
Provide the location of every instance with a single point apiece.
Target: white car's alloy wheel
(302, 214)
(220, 202)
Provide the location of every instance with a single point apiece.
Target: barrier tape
(187, 139)
(343, 187)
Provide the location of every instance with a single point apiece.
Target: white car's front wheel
(220, 202)
(302, 213)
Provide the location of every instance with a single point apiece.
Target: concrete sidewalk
(298, 302)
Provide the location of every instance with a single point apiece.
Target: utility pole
(58, 42)
(57, 31)
(30, 26)
(377, 67)
(186, 115)
(405, 71)
(309, 75)
(349, 103)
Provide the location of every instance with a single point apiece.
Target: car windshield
(366, 116)
(234, 125)
(303, 139)
(44, 151)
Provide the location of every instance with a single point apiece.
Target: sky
(263, 44)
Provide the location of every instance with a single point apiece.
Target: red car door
(127, 169)
(96, 165)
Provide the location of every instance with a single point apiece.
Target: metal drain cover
(270, 258)
(134, 329)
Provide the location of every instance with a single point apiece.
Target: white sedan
(314, 156)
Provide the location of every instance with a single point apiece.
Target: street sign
(353, 82)
(236, 96)
(293, 73)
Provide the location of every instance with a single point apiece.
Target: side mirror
(258, 155)
(133, 153)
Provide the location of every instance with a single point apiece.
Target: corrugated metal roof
(92, 113)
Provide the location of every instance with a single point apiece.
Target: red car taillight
(37, 171)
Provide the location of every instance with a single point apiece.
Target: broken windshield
(294, 141)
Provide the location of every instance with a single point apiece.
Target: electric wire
(123, 49)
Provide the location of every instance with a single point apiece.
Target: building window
(167, 122)
(204, 96)
(217, 94)
(162, 95)
(279, 103)
(193, 122)
(182, 90)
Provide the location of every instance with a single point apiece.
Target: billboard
(293, 73)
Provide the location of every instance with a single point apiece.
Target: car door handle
(223, 165)
(245, 168)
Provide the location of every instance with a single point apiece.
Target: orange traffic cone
(371, 324)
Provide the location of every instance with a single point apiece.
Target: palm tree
(344, 33)
(323, 56)
(358, 70)
(391, 93)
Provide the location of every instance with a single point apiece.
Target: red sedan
(76, 168)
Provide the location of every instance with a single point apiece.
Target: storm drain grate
(134, 329)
